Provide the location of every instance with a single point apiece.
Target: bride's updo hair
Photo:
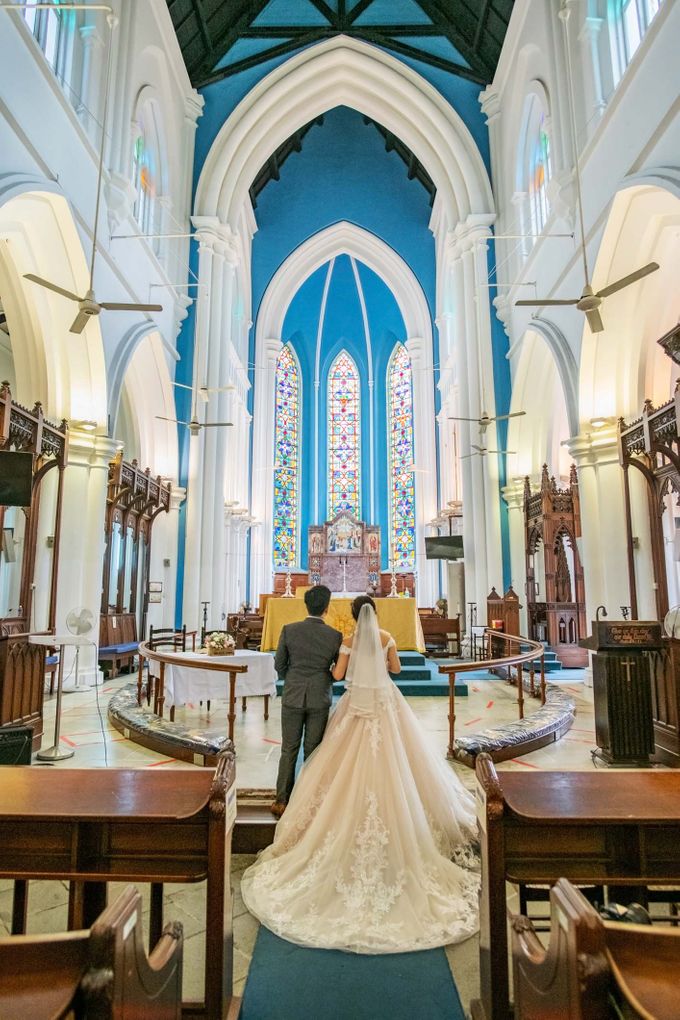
(359, 603)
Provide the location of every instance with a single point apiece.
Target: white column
(590, 46)
(81, 547)
(425, 459)
(193, 595)
(263, 461)
(513, 494)
(89, 108)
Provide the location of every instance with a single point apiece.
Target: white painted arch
(344, 238)
(344, 72)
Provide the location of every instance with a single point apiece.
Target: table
(184, 683)
(93, 826)
(617, 829)
(398, 616)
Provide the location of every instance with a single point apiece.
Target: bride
(375, 851)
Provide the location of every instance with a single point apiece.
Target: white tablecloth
(186, 684)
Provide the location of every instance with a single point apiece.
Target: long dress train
(374, 852)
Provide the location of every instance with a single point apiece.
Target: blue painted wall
(343, 173)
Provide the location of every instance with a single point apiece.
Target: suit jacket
(304, 657)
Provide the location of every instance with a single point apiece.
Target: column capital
(513, 494)
(271, 348)
(590, 29)
(178, 494)
(416, 347)
(212, 233)
(474, 230)
(88, 449)
(595, 448)
(193, 107)
(90, 36)
(490, 101)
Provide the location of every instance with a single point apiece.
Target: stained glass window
(400, 453)
(145, 170)
(539, 168)
(287, 428)
(343, 437)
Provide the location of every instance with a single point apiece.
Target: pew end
(590, 964)
(103, 972)
(568, 977)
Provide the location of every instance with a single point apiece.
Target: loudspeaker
(15, 745)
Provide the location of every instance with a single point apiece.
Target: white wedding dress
(374, 853)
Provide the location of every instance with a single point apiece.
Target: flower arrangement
(220, 643)
(441, 607)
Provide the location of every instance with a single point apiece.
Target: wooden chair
(164, 639)
(590, 964)
(439, 633)
(103, 972)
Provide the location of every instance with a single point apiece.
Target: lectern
(622, 689)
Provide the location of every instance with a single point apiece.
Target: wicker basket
(220, 651)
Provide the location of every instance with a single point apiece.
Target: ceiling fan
(88, 304)
(481, 451)
(204, 391)
(590, 300)
(195, 425)
(486, 420)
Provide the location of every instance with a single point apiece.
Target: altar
(344, 554)
(398, 616)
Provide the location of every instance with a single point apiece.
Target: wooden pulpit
(622, 677)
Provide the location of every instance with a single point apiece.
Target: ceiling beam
(220, 73)
(203, 26)
(327, 12)
(471, 73)
(242, 17)
(446, 19)
(481, 25)
(358, 10)
(289, 31)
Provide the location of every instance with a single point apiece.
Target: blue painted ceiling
(220, 39)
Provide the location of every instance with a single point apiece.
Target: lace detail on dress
(375, 736)
(368, 895)
(344, 649)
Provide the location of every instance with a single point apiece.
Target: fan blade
(463, 419)
(216, 424)
(502, 452)
(79, 323)
(182, 385)
(595, 321)
(549, 301)
(173, 420)
(466, 456)
(115, 306)
(503, 417)
(626, 281)
(51, 286)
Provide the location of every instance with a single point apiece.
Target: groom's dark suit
(304, 657)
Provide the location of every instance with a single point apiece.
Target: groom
(304, 658)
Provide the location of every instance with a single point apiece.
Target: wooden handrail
(165, 659)
(535, 650)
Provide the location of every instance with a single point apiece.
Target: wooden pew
(103, 972)
(117, 640)
(613, 828)
(588, 960)
(22, 684)
(90, 827)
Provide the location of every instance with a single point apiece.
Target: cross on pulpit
(627, 663)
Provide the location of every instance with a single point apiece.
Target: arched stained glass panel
(287, 429)
(539, 170)
(343, 437)
(400, 452)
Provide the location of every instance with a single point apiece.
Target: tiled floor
(85, 730)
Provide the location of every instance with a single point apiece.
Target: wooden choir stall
(31, 448)
(649, 449)
(552, 523)
(133, 502)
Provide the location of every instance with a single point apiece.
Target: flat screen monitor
(444, 547)
(16, 478)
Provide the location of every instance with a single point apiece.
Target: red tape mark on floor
(166, 761)
(489, 704)
(527, 764)
(471, 721)
(69, 742)
(268, 741)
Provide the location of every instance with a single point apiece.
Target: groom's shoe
(277, 808)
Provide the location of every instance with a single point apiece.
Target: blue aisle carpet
(288, 982)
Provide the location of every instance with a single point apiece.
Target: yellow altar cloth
(398, 616)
